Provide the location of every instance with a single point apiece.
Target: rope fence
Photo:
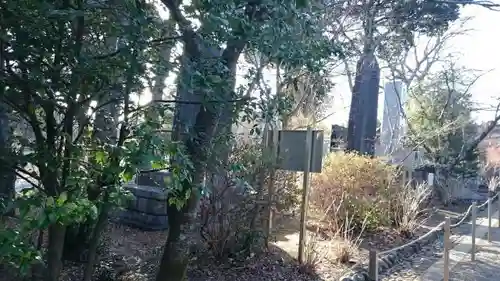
(445, 226)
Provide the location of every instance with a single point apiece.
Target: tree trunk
(195, 124)
(175, 258)
(7, 175)
(94, 242)
(55, 250)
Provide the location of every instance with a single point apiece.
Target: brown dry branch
(233, 214)
(349, 242)
(409, 206)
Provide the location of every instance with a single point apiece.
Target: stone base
(140, 220)
(148, 209)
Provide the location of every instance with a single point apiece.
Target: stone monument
(393, 123)
(362, 126)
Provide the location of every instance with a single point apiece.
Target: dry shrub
(348, 239)
(228, 219)
(408, 207)
(233, 213)
(447, 188)
(342, 241)
(312, 254)
(494, 184)
(359, 186)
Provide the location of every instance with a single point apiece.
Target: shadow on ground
(485, 267)
(476, 271)
(275, 264)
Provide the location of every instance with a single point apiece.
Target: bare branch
(486, 4)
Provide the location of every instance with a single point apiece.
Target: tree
(7, 175)
(412, 64)
(439, 113)
(381, 24)
(206, 103)
(50, 79)
(308, 97)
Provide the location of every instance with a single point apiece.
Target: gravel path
(414, 266)
(486, 267)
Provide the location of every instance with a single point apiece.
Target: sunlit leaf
(100, 157)
(62, 198)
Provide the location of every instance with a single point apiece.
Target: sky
(478, 50)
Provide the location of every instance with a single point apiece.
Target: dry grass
(408, 207)
(349, 241)
(312, 254)
(340, 242)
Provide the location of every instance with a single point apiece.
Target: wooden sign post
(305, 195)
(271, 189)
(299, 151)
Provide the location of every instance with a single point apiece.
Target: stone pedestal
(148, 209)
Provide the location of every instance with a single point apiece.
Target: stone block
(147, 210)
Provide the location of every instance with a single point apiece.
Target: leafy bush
(358, 186)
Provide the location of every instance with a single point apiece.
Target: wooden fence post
(490, 211)
(498, 206)
(446, 254)
(373, 265)
(305, 194)
(473, 231)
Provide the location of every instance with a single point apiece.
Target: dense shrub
(359, 187)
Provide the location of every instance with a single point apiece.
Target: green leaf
(157, 165)
(70, 207)
(127, 175)
(52, 218)
(100, 157)
(49, 202)
(62, 198)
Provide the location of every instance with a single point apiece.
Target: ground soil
(134, 254)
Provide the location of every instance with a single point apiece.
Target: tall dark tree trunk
(7, 175)
(195, 124)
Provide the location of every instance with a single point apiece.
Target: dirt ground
(135, 254)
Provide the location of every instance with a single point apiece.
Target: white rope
(438, 227)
